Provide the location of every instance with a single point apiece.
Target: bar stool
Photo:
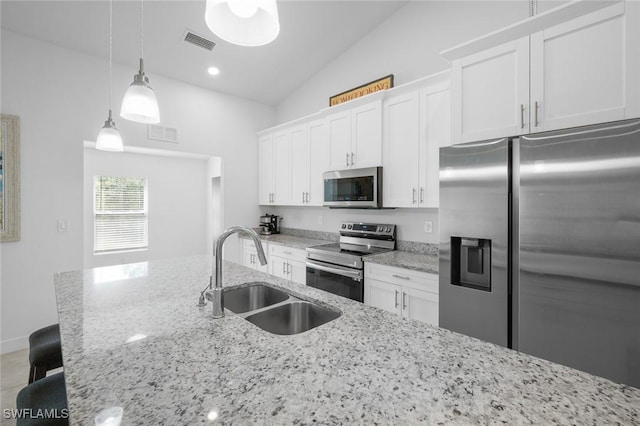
(45, 351)
(43, 402)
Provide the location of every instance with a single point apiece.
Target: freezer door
(579, 278)
(474, 239)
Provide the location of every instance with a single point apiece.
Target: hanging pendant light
(140, 103)
(109, 138)
(243, 22)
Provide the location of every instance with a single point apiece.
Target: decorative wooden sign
(383, 83)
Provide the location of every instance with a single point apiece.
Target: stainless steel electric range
(338, 267)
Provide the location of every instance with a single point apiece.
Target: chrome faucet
(215, 294)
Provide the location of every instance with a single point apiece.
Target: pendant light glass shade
(109, 138)
(140, 103)
(243, 22)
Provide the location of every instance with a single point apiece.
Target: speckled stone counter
(403, 259)
(133, 337)
(290, 240)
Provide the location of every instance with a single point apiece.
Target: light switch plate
(428, 226)
(62, 225)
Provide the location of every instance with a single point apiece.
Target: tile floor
(13, 376)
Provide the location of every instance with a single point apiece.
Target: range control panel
(368, 229)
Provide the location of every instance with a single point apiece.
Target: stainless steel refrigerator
(540, 245)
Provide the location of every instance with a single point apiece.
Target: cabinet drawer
(287, 252)
(250, 245)
(404, 277)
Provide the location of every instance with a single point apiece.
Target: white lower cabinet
(411, 294)
(288, 263)
(250, 255)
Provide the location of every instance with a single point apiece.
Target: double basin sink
(275, 310)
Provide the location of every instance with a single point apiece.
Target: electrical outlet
(428, 226)
(62, 225)
(320, 220)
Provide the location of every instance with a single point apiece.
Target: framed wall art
(9, 178)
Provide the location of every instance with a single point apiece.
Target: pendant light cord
(110, 52)
(141, 29)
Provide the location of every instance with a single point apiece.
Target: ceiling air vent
(193, 38)
(161, 133)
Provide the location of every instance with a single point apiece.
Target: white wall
(61, 98)
(177, 192)
(410, 221)
(406, 45)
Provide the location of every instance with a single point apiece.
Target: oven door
(345, 282)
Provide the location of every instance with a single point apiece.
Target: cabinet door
(435, 110)
(282, 168)
(420, 305)
(401, 146)
(319, 161)
(297, 271)
(383, 295)
(584, 71)
(339, 132)
(265, 169)
(366, 141)
(299, 166)
(278, 267)
(490, 93)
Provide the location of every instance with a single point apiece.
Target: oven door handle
(345, 272)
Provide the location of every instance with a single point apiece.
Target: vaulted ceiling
(313, 32)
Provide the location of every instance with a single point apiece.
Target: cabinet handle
(522, 116)
(404, 301)
(284, 266)
(352, 158)
(414, 196)
(306, 197)
(396, 298)
(303, 197)
(347, 154)
(287, 252)
(536, 114)
(421, 195)
(288, 268)
(401, 277)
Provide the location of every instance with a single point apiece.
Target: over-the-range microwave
(353, 188)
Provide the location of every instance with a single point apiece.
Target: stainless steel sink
(293, 317)
(252, 297)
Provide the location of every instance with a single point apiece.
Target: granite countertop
(407, 260)
(289, 240)
(133, 337)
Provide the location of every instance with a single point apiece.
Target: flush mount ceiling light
(140, 103)
(243, 22)
(109, 138)
(213, 70)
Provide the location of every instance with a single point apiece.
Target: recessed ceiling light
(213, 71)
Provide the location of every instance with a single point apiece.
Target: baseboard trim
(12, 345)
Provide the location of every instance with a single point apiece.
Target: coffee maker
(270, 224)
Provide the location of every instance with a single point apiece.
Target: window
(120, 214)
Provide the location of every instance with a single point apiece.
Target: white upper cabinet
(318, 161)
(299, 166)
(265, 169)
(355, 137)
(490, 92)
(416, 123)
(586, 70)
(562, 73)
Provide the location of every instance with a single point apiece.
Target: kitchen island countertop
(133, 337)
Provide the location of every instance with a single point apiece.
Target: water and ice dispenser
(471, 263)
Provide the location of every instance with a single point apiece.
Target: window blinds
(120, 213)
